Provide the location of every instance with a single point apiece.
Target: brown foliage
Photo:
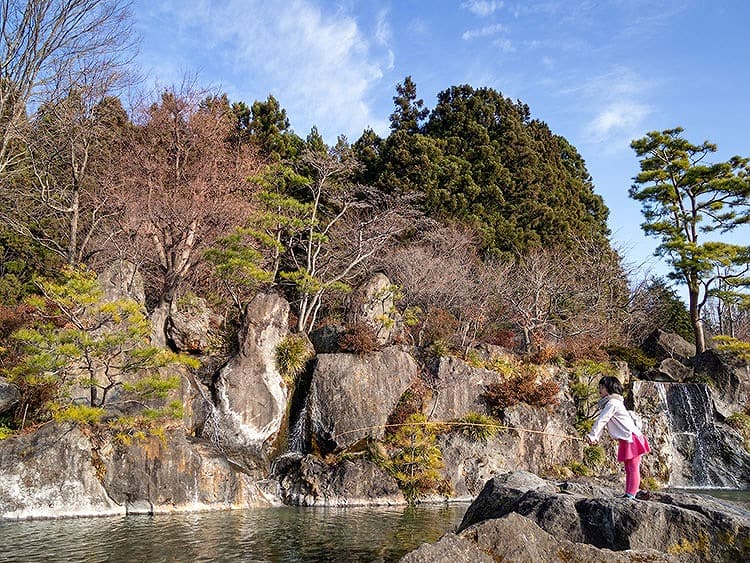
(412, 401)
(521, 387)
(359, 339)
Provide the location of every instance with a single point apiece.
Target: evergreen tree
(683, 198)
(409, 110)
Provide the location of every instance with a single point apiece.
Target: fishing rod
(462, 424)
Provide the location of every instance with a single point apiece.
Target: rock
(251, 396)
(49, 473)
(174, 474)
(189, 326)
(448, 549)
(499, 495)
(731, 379)
(325, 339)
(122, 280)
(470, 463)
(516, 538)
(9, 395)
(352, 395)
(60, 471)
(373, 304)
(662, 345)
(669, 370)
(306, 480)
(458, 388)
(689, 525)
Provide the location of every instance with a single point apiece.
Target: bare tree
(47, 46)
(182, 185)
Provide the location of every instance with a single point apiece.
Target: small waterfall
(702, 452)
(298, 434)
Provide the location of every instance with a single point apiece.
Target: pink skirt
(629, 450)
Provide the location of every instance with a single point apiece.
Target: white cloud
(616, 119)
(505, 44)
(482, 8)
(484, 31)
(319, 65)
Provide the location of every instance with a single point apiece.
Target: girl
(620, 425)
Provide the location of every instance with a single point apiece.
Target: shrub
(524, 386)
(593, 457)
(579, 468)
(584, 377)
(292, 355)
(476, 427)
(739, 348)
(636, 359)
(740, 421)
(410, 403)
(414, 459)
(81, 414)
(359, 339)
(650, 484)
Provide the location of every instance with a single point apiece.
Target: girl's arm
(600, 423)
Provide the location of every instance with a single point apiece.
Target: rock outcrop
(60, 471)
(306, 480)
(662, 345)
(9, 395)
(251, 397)
(458, 388)
(352, 395)
(373, 303)
(189, 326)
(584, 522)
(730, 379)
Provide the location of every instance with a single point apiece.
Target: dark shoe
(643, 495)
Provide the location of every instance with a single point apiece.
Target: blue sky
(599, 73)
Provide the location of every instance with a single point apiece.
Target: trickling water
(296, 440)
(704, 453)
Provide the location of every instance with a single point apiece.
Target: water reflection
(261, 535)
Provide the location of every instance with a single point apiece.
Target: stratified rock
(189, 326)
(669, 370)
(458, 389)
(306, 480)
(122, 280)
(693, 526)
(352, 395)
(251, 394)
(470, 463)
(730, 377)
(325, 339)
(9, 395)
(173, 474)
(49, 473)
(662, 345)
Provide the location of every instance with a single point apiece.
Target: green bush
(636, 358)
(413, 458)
(476, 426)
(593, 457)
(740, 421)
(292, 355)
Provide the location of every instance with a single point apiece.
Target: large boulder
(9, 395)
(190, 325)
(458, 388)
(251, 396)
(516, 538)
(730, 377)
(306, 480)
(351, 395)
(669, 370)
(373, 303)
(696, 527)
(662, 345)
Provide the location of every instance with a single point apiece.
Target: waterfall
(298, 433)
(700, 451)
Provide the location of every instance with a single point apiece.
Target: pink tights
(632, 475)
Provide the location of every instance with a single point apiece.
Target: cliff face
(246, 438)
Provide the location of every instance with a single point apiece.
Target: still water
(271, 534)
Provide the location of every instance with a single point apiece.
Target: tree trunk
(695, 320)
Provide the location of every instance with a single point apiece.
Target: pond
(262, 535)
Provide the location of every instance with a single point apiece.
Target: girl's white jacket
(616, 418)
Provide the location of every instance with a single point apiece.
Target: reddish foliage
(521, 387)
(359, 339)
